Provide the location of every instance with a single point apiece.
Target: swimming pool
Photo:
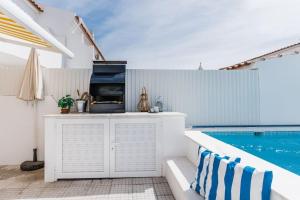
(279, 147)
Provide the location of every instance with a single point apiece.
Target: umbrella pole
(34, 164)
(35, 136)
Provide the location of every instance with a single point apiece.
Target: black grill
(107, 87)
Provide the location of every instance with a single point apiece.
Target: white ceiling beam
(12, 10)
(26, 44)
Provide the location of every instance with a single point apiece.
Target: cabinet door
(135, 147)
(83, 148)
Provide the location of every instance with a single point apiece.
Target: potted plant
(65, 103)
(81, 102)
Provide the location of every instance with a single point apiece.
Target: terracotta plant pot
(65, 110)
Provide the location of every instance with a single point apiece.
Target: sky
(184, 34)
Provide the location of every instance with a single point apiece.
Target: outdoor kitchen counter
(90, 145)
(119, 115)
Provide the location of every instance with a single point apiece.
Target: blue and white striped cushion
(203, 160)
(251, 184)
(231, 180)
(215, 185)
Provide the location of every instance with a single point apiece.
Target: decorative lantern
(159, 103)
(143, 105)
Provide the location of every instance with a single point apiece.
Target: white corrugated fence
(207, 97)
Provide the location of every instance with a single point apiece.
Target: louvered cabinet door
(134, 147)
(83, 148)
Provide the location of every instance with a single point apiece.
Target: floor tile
(144, 197)
(142, 181)
(144, 191)
(53, 192)
(37, 184)
(122, 181)
(167, 197)
(30, 193)
(121, 189)
(121, 192)
(75, 191)
(94, 197)
(3, 184)
(59, 184)
(10, 193)
(159, 180)
(162, 189)
(99, 190)
(143, 188)
(101, 182)
(81, 183)
(15, 184)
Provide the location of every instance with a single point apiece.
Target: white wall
(16, 136)
(17, 118)
(17, 128)
(279, 81)
(70, 34)
(27, 7)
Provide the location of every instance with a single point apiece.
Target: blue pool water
(280, 148)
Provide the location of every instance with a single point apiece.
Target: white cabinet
(110, 145)
(83, 148)
(135, 147)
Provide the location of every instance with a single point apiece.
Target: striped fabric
(215, 185)
(201, 175)
(204, 167)
(227, 179)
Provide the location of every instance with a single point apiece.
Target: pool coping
(245, 126)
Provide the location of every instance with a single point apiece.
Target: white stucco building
(279, 85)
(68, 28)
(255, 63)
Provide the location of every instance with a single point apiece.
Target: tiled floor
(15, 184)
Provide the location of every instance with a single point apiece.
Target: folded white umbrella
(32, 90)
(32, 84)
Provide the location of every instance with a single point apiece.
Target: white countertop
(121, 115)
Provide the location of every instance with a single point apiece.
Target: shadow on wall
(17, 128)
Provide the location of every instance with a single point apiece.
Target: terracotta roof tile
(89, 35)
(252, 60)
(36, 5)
